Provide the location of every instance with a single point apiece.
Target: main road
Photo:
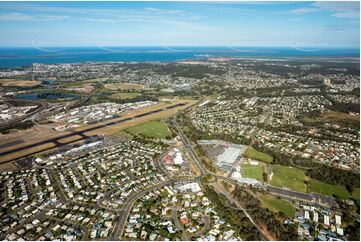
(285, 193)
(189, 149)
(191, 154)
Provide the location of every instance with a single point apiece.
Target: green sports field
(328, 189)
(124, 95)
(256, 155)
(285, 176)
(250, 171)
(152, 129)
(276, 205)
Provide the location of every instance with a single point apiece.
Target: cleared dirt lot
(8, 167)
(18, 83)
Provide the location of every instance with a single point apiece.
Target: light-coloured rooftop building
(229, 156)
(326, 219)
(338, 219)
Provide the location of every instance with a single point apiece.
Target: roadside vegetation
(265, 217)
(235, 217)
(356, 193)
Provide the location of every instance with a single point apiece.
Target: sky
(279, 24)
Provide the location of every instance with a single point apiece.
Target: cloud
(346, 15)
(337, 9)
(165, 11)
(20, 17)
(106, 15)
(91, 11)
(52, 17)
(103, 20)
(303, 10)
(340, 9)
(16, 17)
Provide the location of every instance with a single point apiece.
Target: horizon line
(165, 46)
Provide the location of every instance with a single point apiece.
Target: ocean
(19, 57)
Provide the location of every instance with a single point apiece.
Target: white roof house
(339, 231)
(338, 219)
(326, 219)
(194, 187)
(307, 214)
(315, 216)
(178, 159)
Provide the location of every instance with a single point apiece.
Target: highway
(218, 189)
(81, 133)
(123, 213)
(277, 191)
(189, 149)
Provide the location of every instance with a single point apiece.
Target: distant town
(213, 148)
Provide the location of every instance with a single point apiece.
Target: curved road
(178, 225)
(124, 212)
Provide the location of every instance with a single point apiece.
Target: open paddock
(289, 177)
(328, 189)
(18, 83)
(124, 86)
(277, 205)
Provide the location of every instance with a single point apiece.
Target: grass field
(356, 193)
(124, 95)
(328, 189)
(252, 153)
(252, 171)
(332, 117)
(285, 176)
(154, 129)
(123, 86)
(277, 205)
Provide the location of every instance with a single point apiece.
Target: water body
(44, 96)
(48, 82)
(18, 57)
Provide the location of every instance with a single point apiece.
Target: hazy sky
(296, 24)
